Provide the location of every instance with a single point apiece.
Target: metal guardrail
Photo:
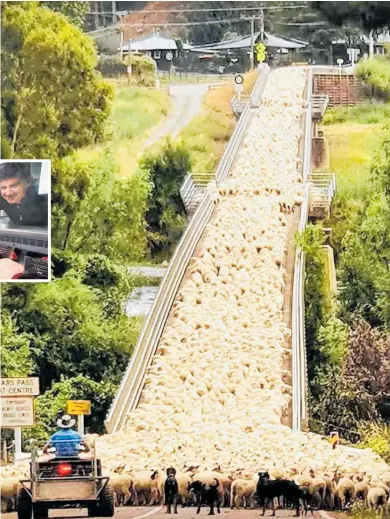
(299, 359)
(129, 392)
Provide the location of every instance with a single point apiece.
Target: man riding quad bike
(67, 478)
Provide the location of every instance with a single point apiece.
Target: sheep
(345, 489)
(242, 490)
(376, 499)
(9, 488)
(123, 487)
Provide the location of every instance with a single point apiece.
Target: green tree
(53, 99)
(70, 334)
(110, 220)
(368, 15)
(73, 10)
(166, 214)
(375, 73)
(16, 356)
(52, 404)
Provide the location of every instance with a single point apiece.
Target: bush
(143, 69)
(375, 73)
(111, 66)
(166, 215)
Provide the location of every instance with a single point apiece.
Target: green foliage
(147, 106)
(368, 15)
(73, 10)
(69, 332)
(362, 113)
(166, 213)
(111, 66)
(311, 242)
(353, 391)
(16, 359)
(375, 73)
(111, 218)
(143, 69)
(332, 341)
(52, 404)
(53, 100)
(376, 436)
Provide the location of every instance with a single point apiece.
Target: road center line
(148, 514)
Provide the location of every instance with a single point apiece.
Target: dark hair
(20, 170)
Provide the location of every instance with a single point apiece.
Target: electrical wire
(185, 24)
(265, 8)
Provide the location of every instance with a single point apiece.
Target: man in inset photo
(19, 196)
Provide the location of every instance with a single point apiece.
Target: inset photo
(25, 187)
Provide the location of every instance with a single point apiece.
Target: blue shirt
(66, 442)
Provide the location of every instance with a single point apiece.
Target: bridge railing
(129, 392)
(299, 359)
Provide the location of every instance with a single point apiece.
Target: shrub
(375, 73)
(143, 69)
(111, 66)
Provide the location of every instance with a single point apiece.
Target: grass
(364, 113)
(135, 111)
(352, 148)
(206, 136)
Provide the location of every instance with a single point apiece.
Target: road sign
(238, 79)
(78, 407)
(26, 386)
(17, 412)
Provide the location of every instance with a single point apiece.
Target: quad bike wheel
(24, 504)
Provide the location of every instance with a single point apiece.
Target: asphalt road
(187, 101)
(158, 512)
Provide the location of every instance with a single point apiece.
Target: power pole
(121, 44)
(261, 24)
(113, 7)
(252, 42)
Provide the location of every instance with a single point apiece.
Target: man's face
(13, 190)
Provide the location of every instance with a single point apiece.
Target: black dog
(171, 490)
(267, 490)
(206, 493)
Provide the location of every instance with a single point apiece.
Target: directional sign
(17, 412)
(27, 386)
(78, 407)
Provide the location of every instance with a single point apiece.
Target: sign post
(17, 406)
(239, 87)
(79, 408)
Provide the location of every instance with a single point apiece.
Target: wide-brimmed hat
(66, 422)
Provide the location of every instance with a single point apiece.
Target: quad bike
(70, 482)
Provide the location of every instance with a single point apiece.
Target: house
(236, 53)
(163, 50)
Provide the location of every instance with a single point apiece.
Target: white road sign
(27, 386)
(17, 412)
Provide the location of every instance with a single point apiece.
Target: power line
(271, 8)
(184, 24)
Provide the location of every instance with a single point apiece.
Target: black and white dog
(171, 490)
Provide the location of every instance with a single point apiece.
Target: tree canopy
(368, 15)
(53, 100)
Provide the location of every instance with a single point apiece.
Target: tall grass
(208, 133)
(364, 113)
(135, 111)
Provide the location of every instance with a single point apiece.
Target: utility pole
(114, 16)
(261, 24)
(252, 42)
(121, 43)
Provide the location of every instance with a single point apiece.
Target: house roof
(245, 42)
(152, 43)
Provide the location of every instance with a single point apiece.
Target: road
(157, 512)
(187, 101)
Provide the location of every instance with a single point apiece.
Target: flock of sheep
(218, 391)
